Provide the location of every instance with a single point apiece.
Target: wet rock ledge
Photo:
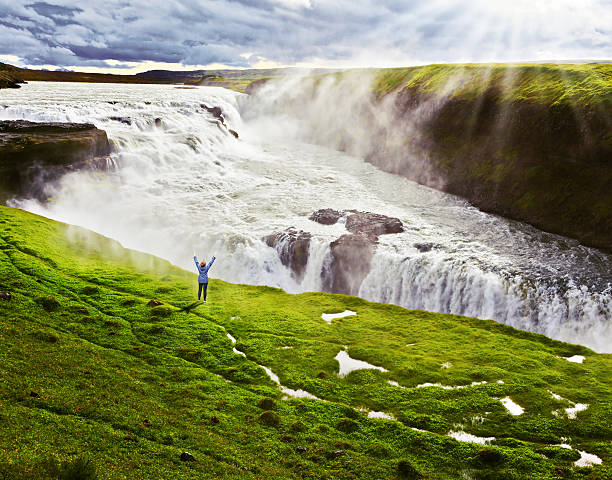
(32, 154)
(350, 256)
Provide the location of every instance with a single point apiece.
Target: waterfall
(180, 184)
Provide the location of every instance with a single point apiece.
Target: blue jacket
(203, 271)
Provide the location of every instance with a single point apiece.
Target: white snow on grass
(394, 383)
(233, 340)
(446, 365)
(587, 460)
(289, 392)
(348, 364)
(328, 317)
(468, 437)
(297, 393)
(286, 347)
(575, 358)
(573, 411)
(448, 387)
(381, 415)
(563, 445)
(513, 408)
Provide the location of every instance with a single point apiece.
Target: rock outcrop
(217, 112)
(350, 256)
(32, 154)
(293, 248)
(8, 79)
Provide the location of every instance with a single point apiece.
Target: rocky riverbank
(32, 154)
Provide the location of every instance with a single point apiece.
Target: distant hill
(233, 79)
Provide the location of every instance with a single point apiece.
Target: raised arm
(212, 260)
(195, 259)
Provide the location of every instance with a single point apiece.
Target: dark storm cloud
(200, 32)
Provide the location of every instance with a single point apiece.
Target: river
(180, 184)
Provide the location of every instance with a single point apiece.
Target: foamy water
(185, 185)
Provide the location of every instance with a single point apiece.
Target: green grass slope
(97, 383)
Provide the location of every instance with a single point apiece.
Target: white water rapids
(185, 185)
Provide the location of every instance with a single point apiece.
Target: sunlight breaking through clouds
(334, 33)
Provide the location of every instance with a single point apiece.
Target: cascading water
(183, 185)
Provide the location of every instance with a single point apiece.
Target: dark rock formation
(351, 254)
(9, 79)
(154, 303)
(293, 248)
(33, 154)
(125, 120)
(5, 296)
(372, 224)
(326, 216)
(351, 259)
(215, 112)
(218, 114)
(187, 457)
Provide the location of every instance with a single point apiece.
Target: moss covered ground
(580, 84)
(97, 380)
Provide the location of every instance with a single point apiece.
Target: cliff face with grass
(530, 142)
(9, 76)
(99, 381)
(33, 153)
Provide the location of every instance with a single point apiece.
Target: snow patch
(573, 411)
(448, 387)
(447, 365)
(288, 391)
(297, 393)
(328, 317)
(468, 437)
(587, 460)
(348, 364)
(513, 408)
(575, 358)
(382, 415)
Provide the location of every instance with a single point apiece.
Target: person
(203, 278)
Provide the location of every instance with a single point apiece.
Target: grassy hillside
(94, 378)
(582, 85)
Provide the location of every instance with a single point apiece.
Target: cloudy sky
(128, 36)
